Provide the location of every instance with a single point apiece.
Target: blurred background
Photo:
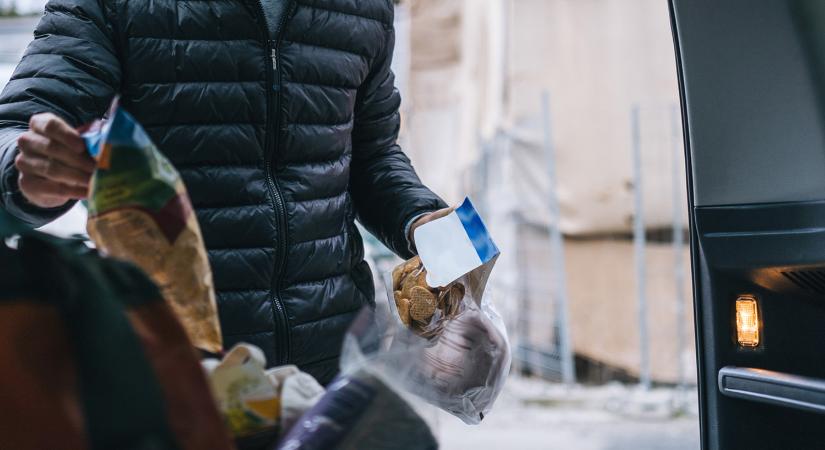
(560, 119)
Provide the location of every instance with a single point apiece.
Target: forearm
(386, 191)
(388, 196)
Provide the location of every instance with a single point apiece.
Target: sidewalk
(532, 414)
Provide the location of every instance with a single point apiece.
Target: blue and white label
(453, 245)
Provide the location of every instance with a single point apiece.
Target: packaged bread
(139, 211)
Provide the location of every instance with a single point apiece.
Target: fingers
(440, 213)
(48, 188)
(32, 143)
(51, 169)
(53, 164)
(55, 128)
(52, 137)
(35, 186)
(428, 218)
(433, 216)
(47, 193)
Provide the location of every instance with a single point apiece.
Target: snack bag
(453, 248)
(453, 344)
(139, 211)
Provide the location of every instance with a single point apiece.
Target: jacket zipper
(273, 98)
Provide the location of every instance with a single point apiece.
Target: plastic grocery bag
(364, 407)
(139, 211)
(451, 344)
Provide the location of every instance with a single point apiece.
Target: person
(280, 115)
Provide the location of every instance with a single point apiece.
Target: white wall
(481, 66)
(24, 6)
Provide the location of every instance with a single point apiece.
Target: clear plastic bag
(455, 357)
(365, 406)
(457, 361)
(450, 344)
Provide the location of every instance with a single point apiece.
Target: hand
(428, 218)
(53, 164)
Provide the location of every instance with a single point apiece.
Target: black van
(752, 81)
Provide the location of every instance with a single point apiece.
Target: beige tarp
(481, 64)
(601, 282)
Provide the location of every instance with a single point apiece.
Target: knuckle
(24, 183)
(52, 147)
(52, 124)
(56, 170)
(39, 119)
(24, 140)
(23, 164)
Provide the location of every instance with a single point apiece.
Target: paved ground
(531, 416)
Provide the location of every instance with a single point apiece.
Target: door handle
(776, 388)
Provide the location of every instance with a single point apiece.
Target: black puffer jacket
(283, 132)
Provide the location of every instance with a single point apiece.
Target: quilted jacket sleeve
(385, 188)
(70, 69)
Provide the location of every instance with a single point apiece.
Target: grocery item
(452, 348)
(245, 395)
(139, 211)
(258, 404)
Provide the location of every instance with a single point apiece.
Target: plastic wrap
(364, 407)
(457, 354)
(442, 340)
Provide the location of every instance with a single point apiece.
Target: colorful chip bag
(139, 211)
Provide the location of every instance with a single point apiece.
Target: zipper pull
(274, 57)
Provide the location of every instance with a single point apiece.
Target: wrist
(409, 228)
